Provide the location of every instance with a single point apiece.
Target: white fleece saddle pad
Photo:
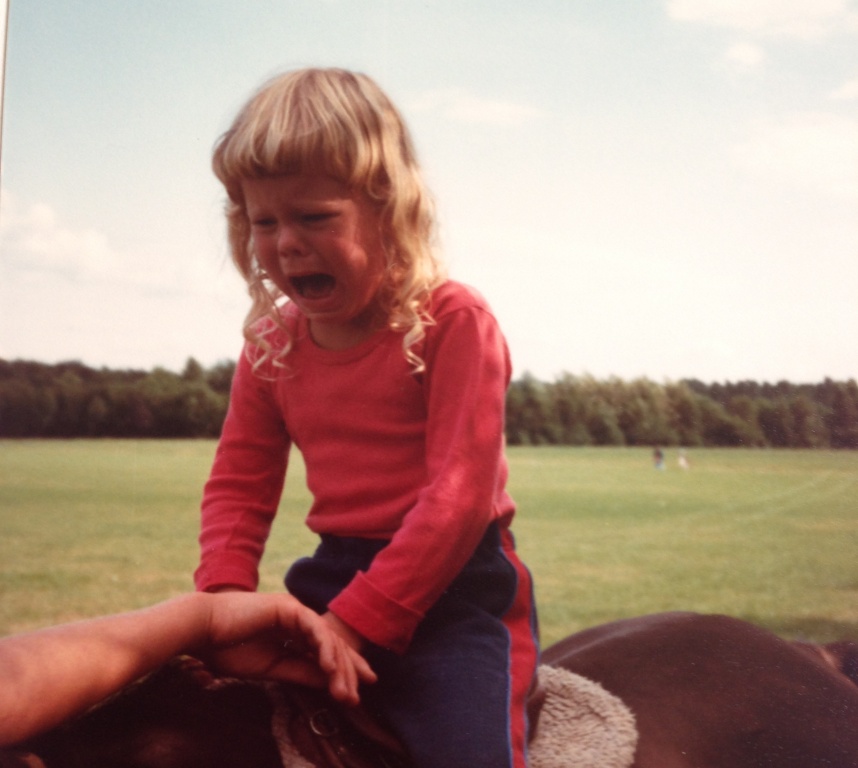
(581, 725)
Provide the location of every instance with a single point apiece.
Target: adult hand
(276, 637)
(52, 674)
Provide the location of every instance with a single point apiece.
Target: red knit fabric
(414, 458)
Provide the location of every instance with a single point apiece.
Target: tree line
(73, 400)
(581, 410)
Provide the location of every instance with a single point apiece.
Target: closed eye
(317, 217)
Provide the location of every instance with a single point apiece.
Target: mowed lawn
(90, 526)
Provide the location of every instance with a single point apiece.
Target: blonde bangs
(307, 121)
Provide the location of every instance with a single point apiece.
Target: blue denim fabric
(448, 696)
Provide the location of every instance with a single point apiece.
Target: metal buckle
(324, 724)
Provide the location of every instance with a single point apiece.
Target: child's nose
(289, 242)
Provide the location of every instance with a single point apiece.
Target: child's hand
(354, 640)
(276, 637)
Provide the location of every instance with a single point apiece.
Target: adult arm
(52, 674)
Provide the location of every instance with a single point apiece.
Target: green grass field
(88, 527)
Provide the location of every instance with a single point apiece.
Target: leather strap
(331, 735)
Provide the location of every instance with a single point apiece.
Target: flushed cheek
(260, 246)
(363, 279)
(270, 265)
(265, 251)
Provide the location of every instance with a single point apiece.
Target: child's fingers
(364, 670)
(342, 678)
(343, 667)
(348, 671)
(342, 683)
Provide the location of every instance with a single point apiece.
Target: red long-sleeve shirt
(390, 454)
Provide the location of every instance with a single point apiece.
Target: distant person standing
(683, 459)
(658, 458)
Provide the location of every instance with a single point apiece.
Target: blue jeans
(450, 697)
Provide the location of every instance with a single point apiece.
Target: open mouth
(314, 286)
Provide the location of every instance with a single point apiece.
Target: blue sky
(661, 188)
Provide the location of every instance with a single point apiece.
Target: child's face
(320, 243)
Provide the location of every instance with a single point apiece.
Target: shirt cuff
(230, 571)
(377, 617)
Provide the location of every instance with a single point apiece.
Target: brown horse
(705, 692)
(716, 692)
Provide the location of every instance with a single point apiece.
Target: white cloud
(68, 293)
(32, 241)
(458, 105)
(846, 92)
(816, 150)
(37, 245)
(798, 19)
(744, 56)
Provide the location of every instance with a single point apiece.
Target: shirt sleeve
(243, 491)
(465, 382)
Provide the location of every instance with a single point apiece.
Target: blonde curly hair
(339, 123)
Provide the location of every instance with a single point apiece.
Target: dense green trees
(577, 410)
(73, 400)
